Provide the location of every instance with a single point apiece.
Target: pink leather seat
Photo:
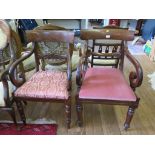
(107, 84)
(45, 84)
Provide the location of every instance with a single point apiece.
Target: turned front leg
(21, 111)
(79, 109)
(129, 116)
(13, 115)
(68, 113)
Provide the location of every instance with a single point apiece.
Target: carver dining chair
(108, 85)
(45, 85)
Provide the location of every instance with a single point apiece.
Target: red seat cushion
(106, 84)
(45, 84)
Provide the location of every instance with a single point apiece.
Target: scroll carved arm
(18, 81)
(135, 77)
(82, 66)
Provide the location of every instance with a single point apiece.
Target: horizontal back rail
(115, 34)
(47, 35)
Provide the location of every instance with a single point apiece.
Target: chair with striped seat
(45, 85)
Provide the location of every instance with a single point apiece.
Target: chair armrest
(135, 78)
(82, 68)
(18, 81)
(79, 73)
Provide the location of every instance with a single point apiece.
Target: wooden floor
(103, 119)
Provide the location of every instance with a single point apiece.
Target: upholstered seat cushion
(106, 83)
(11, 88)
(45, 84)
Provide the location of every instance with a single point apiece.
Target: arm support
(81, 68)
(135, 78)
(12, 71)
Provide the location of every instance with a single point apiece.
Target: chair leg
(68, 113)
(25, 103)
(21, 111)
(79, 109)
(13, 115)
(129, 117)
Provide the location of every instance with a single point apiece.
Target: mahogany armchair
(45, 86)
(107, 85)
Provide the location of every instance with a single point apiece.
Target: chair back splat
(107, 45)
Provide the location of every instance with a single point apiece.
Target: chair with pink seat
(45, 85)
(107, 85)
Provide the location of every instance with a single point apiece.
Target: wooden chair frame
(36, 36)
(135, 77)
